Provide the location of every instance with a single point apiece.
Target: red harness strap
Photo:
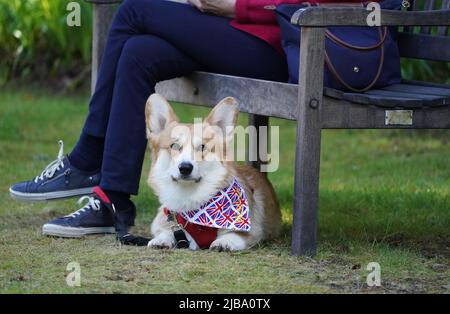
(203, 235)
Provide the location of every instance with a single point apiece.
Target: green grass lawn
(384, 197)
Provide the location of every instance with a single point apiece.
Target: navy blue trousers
(152, 41)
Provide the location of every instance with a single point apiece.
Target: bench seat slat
(428, 100)
(419, 89)
(278, 99)
(399, 95)
(383, 101)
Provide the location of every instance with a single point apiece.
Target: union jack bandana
(227, 210)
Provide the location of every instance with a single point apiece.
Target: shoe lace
(92, 203)
(54, 166)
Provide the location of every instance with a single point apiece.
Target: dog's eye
(176, 146)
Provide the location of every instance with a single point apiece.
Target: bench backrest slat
(428, 6)
(428, 43)
(443, 30)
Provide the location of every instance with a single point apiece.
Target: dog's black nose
(185, 168)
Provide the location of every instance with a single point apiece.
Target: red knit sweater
(258, 18)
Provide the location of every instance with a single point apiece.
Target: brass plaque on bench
(398, 117)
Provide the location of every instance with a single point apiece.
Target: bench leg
(307, 164)
(306, 189)
(258, 121)
(102, 15)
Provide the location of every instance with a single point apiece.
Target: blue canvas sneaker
(93, 218)
(58, 180)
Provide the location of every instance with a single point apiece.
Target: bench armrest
(322, 17)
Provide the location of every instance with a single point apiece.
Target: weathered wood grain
(307, 162)
(338, 114)
(320, 17)
(103, 13)
(254, 96)
(280, 99)
(421, 90)
(389, 99)
(261, 142)
(432, 85)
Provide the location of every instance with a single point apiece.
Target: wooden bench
(410, 105)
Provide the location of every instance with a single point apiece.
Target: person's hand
(225, 8)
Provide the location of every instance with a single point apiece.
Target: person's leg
(193, 41)
(77, 173)
(208, 39)
(87, 154)
(179, 35)
(145, 60)
(222, 49)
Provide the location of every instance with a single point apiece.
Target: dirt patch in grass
(436, 247)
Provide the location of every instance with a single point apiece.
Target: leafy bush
(35, 38)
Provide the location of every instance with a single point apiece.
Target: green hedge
(36, 43)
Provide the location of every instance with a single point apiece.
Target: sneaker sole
(50, 195)
(71, 232)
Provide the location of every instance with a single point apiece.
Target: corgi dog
(207, 201)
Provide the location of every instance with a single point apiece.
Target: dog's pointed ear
(158, 114)
(225, 115)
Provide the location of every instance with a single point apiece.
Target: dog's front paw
(162, 241)
(228, 243)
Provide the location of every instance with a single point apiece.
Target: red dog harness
(228, 209)
(203, 235)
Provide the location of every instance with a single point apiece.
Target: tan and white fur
(173, 144)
